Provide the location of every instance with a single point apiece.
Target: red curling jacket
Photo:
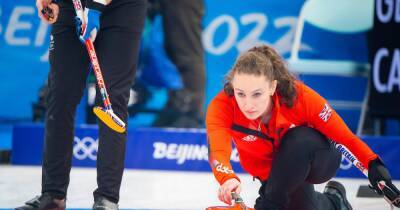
(257, 143)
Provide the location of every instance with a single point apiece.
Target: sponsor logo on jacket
(221, 168)
(249, 138)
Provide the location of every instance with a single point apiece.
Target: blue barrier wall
(167, 149)
(147, 148)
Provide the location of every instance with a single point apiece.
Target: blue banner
(171, 149)
(23, 57)
(168, 149)
(227, 31)
(231, 27)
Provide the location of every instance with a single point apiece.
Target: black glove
(378, 172)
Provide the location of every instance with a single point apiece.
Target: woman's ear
(273, 86)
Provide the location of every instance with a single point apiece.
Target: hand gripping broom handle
(390, 195)
(79, 10)
(239, 200)
(93, 57)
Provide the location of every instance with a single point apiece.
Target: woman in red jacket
(282, 130)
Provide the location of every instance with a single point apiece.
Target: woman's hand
(47, 11)
(225, 190)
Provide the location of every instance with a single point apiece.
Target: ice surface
(149, 189)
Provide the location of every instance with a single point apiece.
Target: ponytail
(264, 60)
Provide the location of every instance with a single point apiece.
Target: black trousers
(305, 158)
(117, 46)
(182, 25)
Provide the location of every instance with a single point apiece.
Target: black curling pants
(117, 47)
(305, 158)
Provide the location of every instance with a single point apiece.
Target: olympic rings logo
(85, 148)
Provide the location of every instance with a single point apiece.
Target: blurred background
(347, 50)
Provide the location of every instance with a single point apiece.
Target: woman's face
(253, 94)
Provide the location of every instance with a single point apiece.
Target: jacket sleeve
(218, 121)
(322, 117)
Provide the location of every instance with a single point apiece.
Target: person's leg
(117, 46)
(305, 157)
(66, 82)
(306, 198)
(303, 198)
(182, 24)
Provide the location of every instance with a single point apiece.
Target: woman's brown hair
(264, 60)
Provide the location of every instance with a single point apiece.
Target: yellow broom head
(110, 119)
